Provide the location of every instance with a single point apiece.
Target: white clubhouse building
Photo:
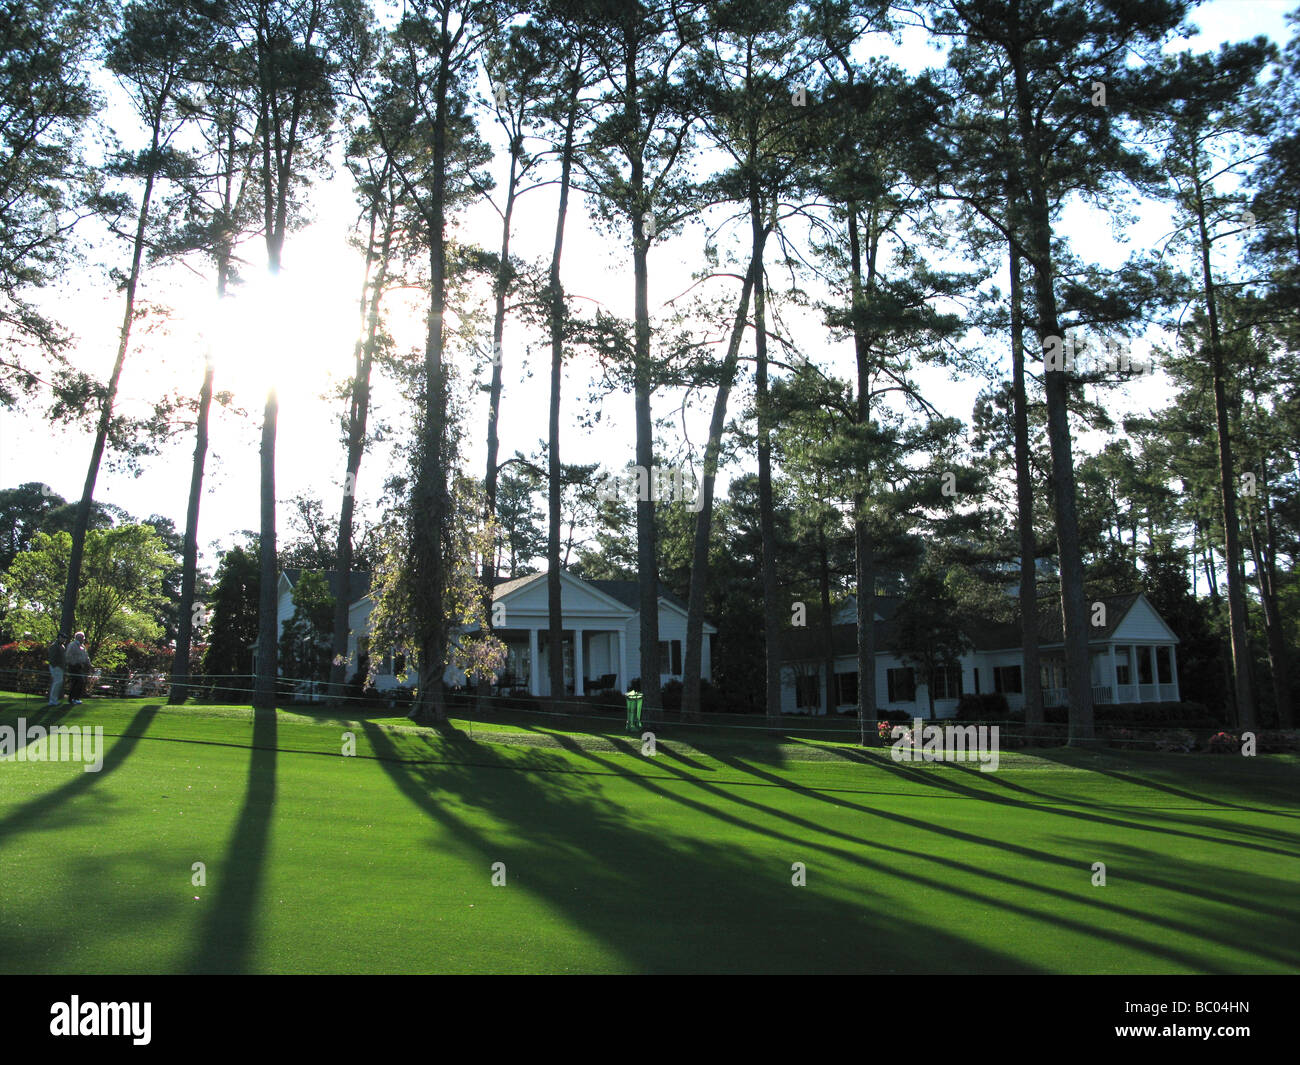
(1133, 656)
(602, 634)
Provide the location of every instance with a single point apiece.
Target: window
(976, 673)
(846, 689)
(1007, 679)
(670, 657)
(1122, 675)
(1144, 665)
(902, 685)
(807, 691)
(947, 683)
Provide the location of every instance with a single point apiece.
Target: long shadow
(225, 940)
(942, 779)
(665, 902)
(113, 757)
(1282, 795)
(1263, 948)
(44, 716)
(1235, 901)
(1181, 816)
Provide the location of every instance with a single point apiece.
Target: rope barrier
(467, 702)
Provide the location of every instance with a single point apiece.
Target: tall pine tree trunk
(358, 419)
(190, 559)
(772, 612)
(1025, 511)
(267, 622)
(67, 616)
(1243, 688)
(1074, 612)
(863, 544)
(431, 504)
(556, 315)
(704, 516)
(647, 563)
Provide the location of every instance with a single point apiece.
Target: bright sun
(292, 331)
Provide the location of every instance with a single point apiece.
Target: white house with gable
(602, 634)
(1132, 651)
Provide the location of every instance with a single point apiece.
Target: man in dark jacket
(78, 666)
(57, 657)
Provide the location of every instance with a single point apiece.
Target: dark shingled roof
(986, 636)
(629, 593)
(359, 585)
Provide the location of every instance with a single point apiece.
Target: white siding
(1142, 625)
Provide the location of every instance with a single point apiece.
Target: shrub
(1223, 743)
(1123, 738)
(671, 695)
(711, 700)
(1179, 740)
(984, 706)
(1277, 741)
(610, 698)
(1174, 715)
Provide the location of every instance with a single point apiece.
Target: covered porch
(1121, 673)
(594, 660)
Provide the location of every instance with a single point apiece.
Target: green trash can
(634, 699)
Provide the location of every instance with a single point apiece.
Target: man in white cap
(78, 668)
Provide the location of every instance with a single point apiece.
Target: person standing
(78, 668)
(56, 655)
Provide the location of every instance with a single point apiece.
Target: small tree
(121, 590)
(233, 617)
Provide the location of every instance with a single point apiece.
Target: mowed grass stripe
(383, 863)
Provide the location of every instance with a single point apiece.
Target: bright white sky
(312, 319)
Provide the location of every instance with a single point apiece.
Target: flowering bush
(1224, 743)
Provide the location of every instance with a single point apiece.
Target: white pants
(56, 684)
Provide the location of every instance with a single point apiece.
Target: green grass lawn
(616, 862)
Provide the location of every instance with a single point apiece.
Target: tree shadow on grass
(1270, 789)
(968, 782)
(1012, 894)
(1237, 892)
(33, 811)
(667, 901)
(225, 940)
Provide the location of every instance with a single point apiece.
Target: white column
(534, 681)
(1114, 676)
(1173, 672)
(623, 678)
(579, 666)
(1133, 672)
